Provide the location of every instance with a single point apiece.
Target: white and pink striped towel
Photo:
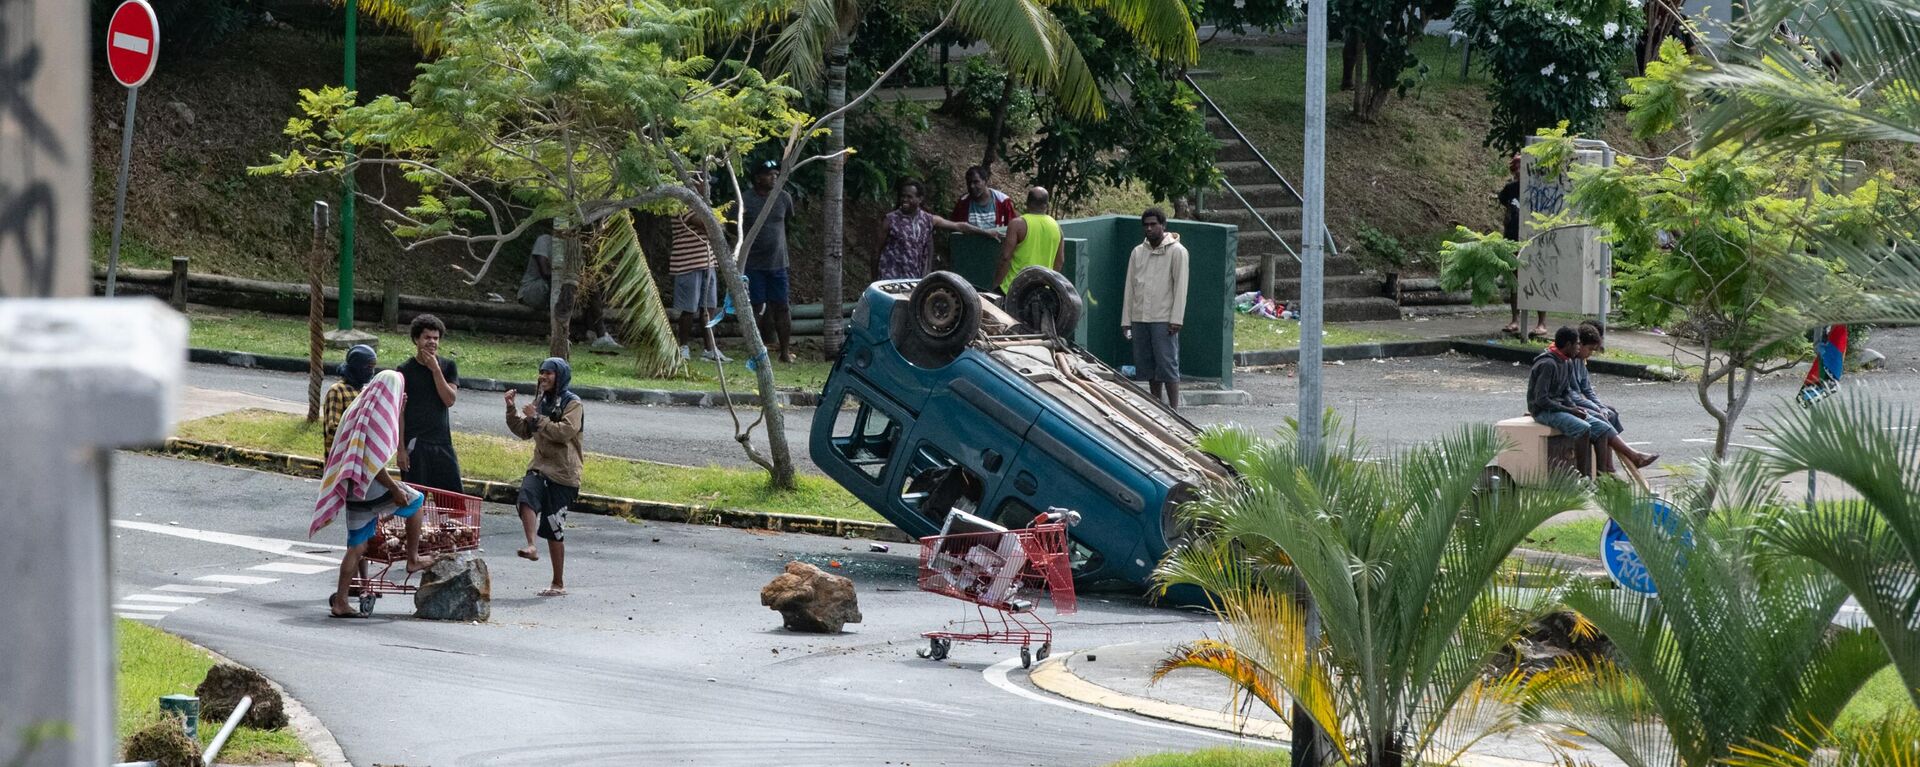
(368, 436)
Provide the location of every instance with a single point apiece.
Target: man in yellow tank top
(1032, 240)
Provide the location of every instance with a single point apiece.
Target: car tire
(1044, 301)
(942, 317)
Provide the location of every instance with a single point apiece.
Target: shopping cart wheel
(1026, 658)
(1046, 649)
(366, 604)
(936, 649)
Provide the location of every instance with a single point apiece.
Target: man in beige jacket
(1155, 305)
(553, 421)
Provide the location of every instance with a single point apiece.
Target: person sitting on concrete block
(1550, 398)
(1593, 339)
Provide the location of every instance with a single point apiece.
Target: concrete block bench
(1537, 449)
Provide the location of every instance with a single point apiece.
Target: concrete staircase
(1351, 294)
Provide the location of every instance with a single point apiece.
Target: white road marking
(165, 599)
(1705, 441)
(148, 608)
(292, 567)
(180, 589)
(141, 616)
(125, 41)
(243, 580)
(278, 546)
(996, 675)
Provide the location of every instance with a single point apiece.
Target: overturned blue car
(945, 400)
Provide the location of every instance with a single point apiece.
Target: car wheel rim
(940, 313)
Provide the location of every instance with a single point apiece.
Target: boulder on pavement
(456, 588)
(811, 600)
(222, 689)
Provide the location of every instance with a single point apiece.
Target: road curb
(1436, 347)
(307, 727)
(1056, 676)
(507, 493)
(682, 397)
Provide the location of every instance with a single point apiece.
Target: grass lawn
(506, 358)
(1880, 697)
(1212, 757)
(154, 663)
(1580, 538)
(504, 460)
(1252, 333)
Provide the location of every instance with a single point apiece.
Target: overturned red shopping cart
(1003, 573)
(449, 522)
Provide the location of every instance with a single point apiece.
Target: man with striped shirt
(695, 283)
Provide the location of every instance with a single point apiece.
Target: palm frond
(634, 298)
(801, 47)
(398, 14)
(1162, 27)
(1871, 544)
(1031, 44)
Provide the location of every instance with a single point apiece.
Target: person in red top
(984, 206)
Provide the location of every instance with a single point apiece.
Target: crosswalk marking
(242, 580)
(141, 616)
(280, 546)
(148, 607)
(165, 599)
(291, 567)
(183, 589)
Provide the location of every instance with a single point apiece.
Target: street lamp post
(1306, 737)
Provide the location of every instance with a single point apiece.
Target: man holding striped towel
(356, 481)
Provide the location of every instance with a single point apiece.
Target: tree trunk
(834, 228)
(564, 282)
(997, 134)
(1374, 87)
(780, 474)
(1350, 51)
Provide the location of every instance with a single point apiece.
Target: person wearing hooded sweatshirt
(1551, 399)
(354, 376)
(1155, 305)
(553, 421)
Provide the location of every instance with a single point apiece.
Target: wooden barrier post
(178, 298)
(316, 309)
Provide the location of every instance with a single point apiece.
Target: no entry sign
(133, 43)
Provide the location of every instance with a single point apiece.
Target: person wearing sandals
(1593, 338)
(554, 421)
(1509, 198)
(356, 482)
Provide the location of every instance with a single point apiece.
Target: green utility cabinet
(1096, 262)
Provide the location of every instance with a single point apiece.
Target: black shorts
(549, 501)
(433, 465)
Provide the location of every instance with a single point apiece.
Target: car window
(864, 436)
(936, 484)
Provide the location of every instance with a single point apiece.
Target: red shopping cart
(449, 522)
(1003, 574)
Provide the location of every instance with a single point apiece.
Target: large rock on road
(456, 588)
(812, 600)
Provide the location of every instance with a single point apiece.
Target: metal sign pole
(1306, 736)
(120, 191)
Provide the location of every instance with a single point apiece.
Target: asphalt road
(1389, 402)
(661, 654)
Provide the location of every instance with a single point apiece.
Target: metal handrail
(1332, 247)
(1262, 219)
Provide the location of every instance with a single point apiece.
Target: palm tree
(1871, 543)
(1848, 76)
(1737, 653)
(1406, 560)
(1024, 34)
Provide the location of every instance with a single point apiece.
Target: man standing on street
(695, 284)
(554, 421)
(1032, 240)
(426, 455)
(1155, 305)
(767, 257)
